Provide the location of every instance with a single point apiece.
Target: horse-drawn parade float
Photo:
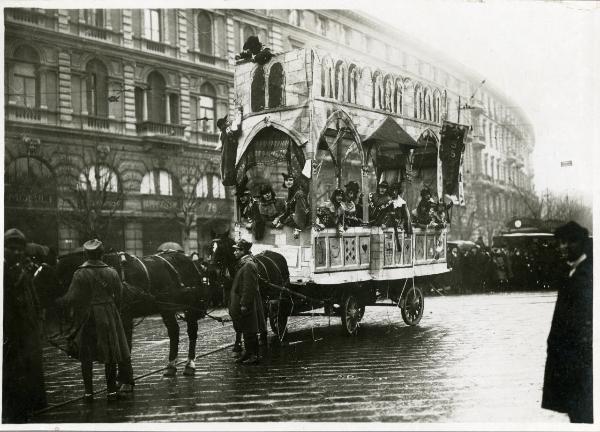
(325, 124)
(308, 126)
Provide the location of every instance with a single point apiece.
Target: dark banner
(451, 149)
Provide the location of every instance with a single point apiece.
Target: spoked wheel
(278, 318)
(351, 314)
(412, 305)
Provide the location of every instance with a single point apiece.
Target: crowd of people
(478, 268)
(387, 208)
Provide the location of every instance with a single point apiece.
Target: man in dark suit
(568, 374)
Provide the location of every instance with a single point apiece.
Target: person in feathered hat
(246, 307)
(568, 373)
(23, 388)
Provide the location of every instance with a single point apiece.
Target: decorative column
(167, 108)
(84, 106)
(129, 114)
(145, 105)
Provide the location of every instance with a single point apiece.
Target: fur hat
(15, 235)
(243, 245)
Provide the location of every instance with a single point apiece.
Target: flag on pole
(566, 163)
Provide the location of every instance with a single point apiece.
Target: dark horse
(272, 271)
(164, 283)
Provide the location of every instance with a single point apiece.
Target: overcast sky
(540, 53)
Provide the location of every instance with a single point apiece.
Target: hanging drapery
(451, 149)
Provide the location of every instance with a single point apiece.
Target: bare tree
(91, 193)
(560, 207)
(183, 207)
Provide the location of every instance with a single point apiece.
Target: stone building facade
(122, 103)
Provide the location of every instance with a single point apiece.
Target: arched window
(153, 24)
(205, 33)
(418, 102)
(436, 106)
(398, 97)
(326, 83)
(427, 108)
(247, 31)
(340, 81)
(295, 17)
(206, 107)
(29, 181)
(96, 88)
(378, 94)
(202, 187)
(218, 190)
(24, 85)
(157, 182)
(276, 86)
(352, 83)
(156, 98)
(99, 178)
(388, 98)
(257, 91)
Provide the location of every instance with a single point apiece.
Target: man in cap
(229, 142)
(245, 307)
(23, 389)
(97, 333)
(568, 374)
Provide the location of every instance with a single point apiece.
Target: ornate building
(110, 117)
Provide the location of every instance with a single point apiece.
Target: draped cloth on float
(452, 147)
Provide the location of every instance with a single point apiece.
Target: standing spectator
(23, 389)
(246, 306)
(568, 375)
(97, 333)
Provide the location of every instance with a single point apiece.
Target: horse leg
(237, 346)
(191, 319)
(173, 332)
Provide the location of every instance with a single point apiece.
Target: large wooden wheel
(351, 314)
(278, 318)
(411, 305)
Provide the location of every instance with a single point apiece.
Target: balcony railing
(32, 17)
(102, 124)
(26, 114)
(154, 46)
(205, 138)
(149, 128)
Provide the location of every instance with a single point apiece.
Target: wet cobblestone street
(477, 358)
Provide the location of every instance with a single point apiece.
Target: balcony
(202, 58)
(101, 124)
(478, 142)
(154, 46)
(209, 139)
(32, 17)
(97, 33)
(29, 114)
(150, 128)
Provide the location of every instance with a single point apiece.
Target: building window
(24, 82)
(152, 24)
(388, 98)
(247, 32)
(202, 187)
(378, 94)
(97, 89)
(427, 108)
(257, 91)
(218, 190)
(322, 25)
(295, 17)
(99, 178)
(156, 98)
(206, 108)
(157, 182)
(485, 164)
(205, 33)
(326, 84)
(419, 109)
(398, 97)
(276, 86)
(340, 81)
(352, 83)
(94, 17)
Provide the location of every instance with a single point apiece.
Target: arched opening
(99, 178)
(378, 92)
(352, 83)
(340, 82)
(30, 199)
(326, 83)
(276, 86)
(157, 182)
(205, 33)
(24, 78)
(424, 167)
(257, 90)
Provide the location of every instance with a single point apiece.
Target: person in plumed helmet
(23, 389)
(97, 333)
(568, 381)
(245, 305)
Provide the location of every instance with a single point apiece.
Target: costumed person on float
(269, 205)
(379, 204)
(228, 140)
(351, 205)
(297, 208)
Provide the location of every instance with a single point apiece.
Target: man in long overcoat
(568, 374)
(97, 333)
(23, 389)
(246, 307)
